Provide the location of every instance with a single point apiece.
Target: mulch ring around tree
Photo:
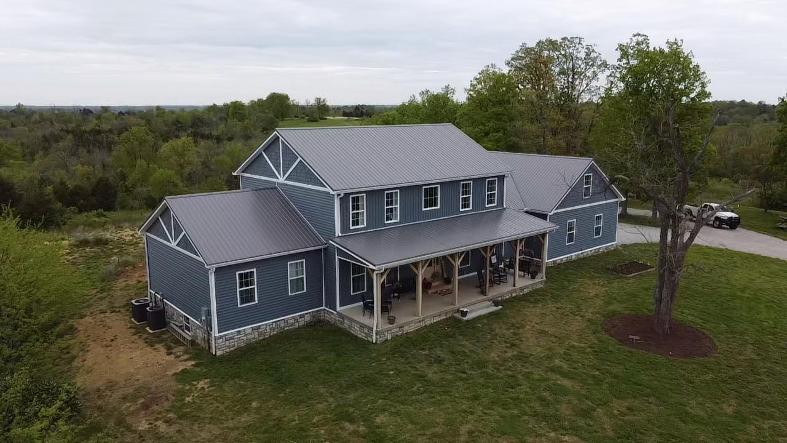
(638, 332)
(631, 268)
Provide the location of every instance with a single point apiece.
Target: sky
(141, 52)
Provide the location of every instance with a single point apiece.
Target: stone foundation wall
(354, 327)
(242, 337)
(582, 254)
(199, 333)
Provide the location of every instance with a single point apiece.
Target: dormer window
(587, 188)
(431, 197)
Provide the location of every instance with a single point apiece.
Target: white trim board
(584, 206)
(181, 250)
(254, 154)
(275, 180)
(264, 257)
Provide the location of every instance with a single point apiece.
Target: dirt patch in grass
(637, 331)
(632, 268)
(127, 374)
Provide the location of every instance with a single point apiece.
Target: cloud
(197, 52)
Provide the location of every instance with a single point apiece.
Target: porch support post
(517, 252)
(419, 289)
(544, 247)
(377, 303)
(486, 271)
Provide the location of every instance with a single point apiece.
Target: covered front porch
(429, 271)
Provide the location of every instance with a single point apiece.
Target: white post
(517, 252)
(377, 303)
(419, 287)
(544, 249)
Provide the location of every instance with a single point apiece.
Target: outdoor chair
(368, 305)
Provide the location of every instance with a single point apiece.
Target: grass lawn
(541, 368)
(638, 220)
(758, 220)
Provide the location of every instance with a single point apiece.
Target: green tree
(279, 104)
(179, 155)
(558, 81)
(657, 124)
(492, 109)
(165, 182)
(135, 145)
(321, 108)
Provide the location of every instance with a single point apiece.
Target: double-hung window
(431, 197)
(296, 276)
(357, 279)
(357, 211)
(491, 192)
(571, 231)
(587, 186)
(598, 225)
(466, 196)
(392, 206)
(247, 287)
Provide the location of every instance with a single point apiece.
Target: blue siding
(600, 191)
(180, 279)
(273, 298)
(329, 263)
(585, 218)
(411, 204)
(345, 296)
(273, 152)
(255, 183)
(186, 245)
(158, 230)
(316, 207)
(287, 157)
(302, 174)
(260, 166)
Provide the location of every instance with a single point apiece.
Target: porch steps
(478, 310)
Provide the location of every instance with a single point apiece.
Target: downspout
(213, 311)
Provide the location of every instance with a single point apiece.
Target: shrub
(83, 238)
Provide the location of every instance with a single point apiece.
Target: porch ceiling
(399, 245)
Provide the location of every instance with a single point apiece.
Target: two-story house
(377, 229)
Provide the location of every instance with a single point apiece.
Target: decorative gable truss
(165, 227)
(275, 160)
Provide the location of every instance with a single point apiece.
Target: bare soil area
(637, 331)
(632, 268)
(126, 373)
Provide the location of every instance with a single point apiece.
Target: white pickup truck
(722, 217)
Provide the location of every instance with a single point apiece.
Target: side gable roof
(542, 181)
(242, 225)
(367, 157)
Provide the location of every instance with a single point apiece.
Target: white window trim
(352, 276)
(590, 186)
(291, 278)
(573, 231)
(386, 207)
(600, 225)
(238, 288)
(486, 192)
(423, 199)
(363, 225)
(470, 208)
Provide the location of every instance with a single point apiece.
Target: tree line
(555, 96)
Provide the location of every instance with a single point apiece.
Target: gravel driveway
(738, 240)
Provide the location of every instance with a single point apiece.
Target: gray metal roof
(404, 244)
(541, 181)
(239, 225)
(361, 157)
